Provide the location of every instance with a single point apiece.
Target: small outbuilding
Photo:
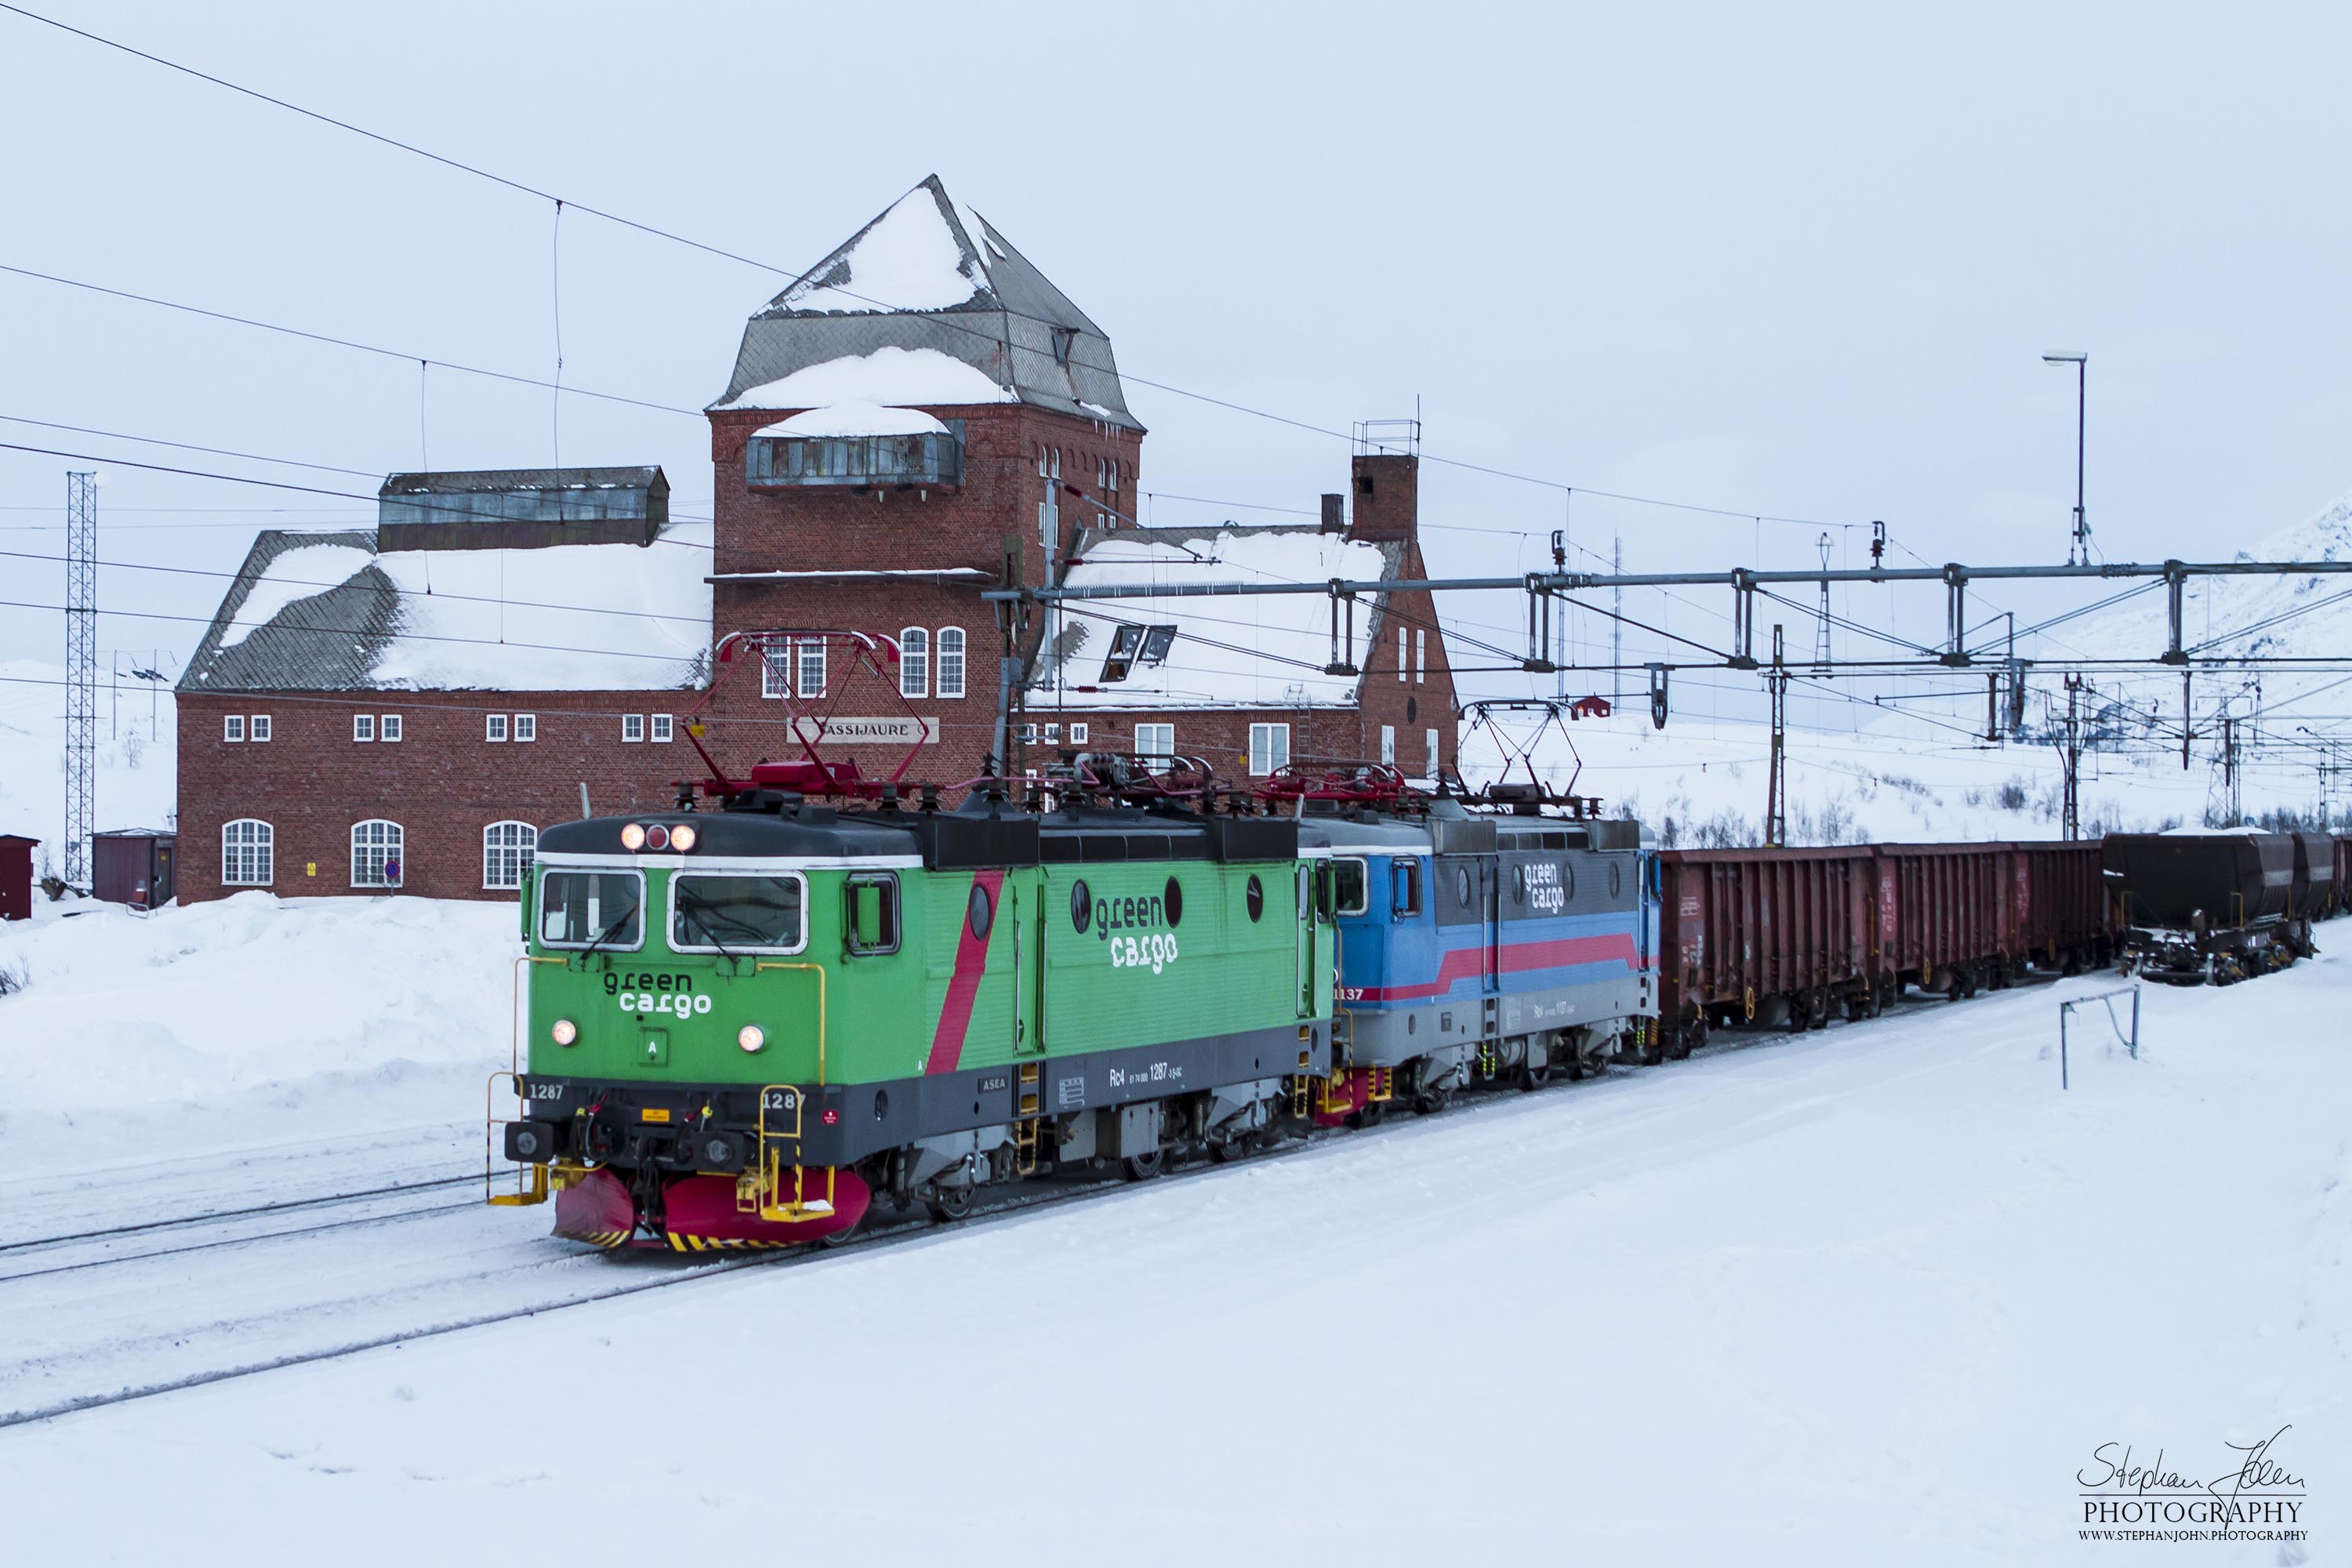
(16, 876)
(134, 866)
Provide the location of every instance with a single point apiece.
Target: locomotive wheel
(1690, 1037)
(949, 1202)
(1429, 1102)
(1141, 1167)
(1225, 1154)
(1532, 1077)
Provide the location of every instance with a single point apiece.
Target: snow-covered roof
(1242, 651)
(889, 377)
(856, 417)
(930, 274)
(329, 612)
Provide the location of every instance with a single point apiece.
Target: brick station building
(920, 418)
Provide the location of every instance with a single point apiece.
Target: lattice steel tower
(82, 671)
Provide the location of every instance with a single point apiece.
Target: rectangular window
(1077, 735)
(526, 726)
(390, 728)
(873, 913)
(233, 727)
(1420, 655)
(506, 853)
(1404, 885)
(661, 726)
(261, 726)
(812, 668)
(601, 909)
(632, 727)
(772, 673)
(1269, 748)
(950, 661)
(1155, 743)
(1349, 880)
(363, 726)
(1430, 738)
(1388, 744)
(1053, 735)
(494, 727)
(735, 914)
(1403, 647)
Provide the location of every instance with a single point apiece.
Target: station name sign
(899, 732)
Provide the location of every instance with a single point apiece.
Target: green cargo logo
(1152, 951)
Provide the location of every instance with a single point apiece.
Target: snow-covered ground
(1870, 1295)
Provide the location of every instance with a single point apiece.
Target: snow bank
(243, 1021)
(299, 574)
(606, 616)
(906, 259)
(1262, 649)
(892, 377)
(855, 418)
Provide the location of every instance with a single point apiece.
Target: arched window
(506, 853)
(249, 852)
(950, 661)
(914, 662)
(376, 853)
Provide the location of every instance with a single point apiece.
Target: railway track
(97, 1340)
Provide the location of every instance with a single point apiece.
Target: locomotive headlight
(564, 1032)
(633, 837)
(682, 836)
(750, 1037)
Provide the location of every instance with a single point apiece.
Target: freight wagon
(2214, 906)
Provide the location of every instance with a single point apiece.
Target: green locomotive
(744, 1025)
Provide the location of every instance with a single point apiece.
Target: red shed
(16, 876)
(134, 865)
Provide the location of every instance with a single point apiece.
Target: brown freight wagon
(1947, 916)
(1782, 935)
(2062, 921)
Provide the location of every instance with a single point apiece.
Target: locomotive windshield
(735, 913)
(585, 908)
(1348, 881)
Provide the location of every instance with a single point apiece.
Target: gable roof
(930, 274)
(1237, 651)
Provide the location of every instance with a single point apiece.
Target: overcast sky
(1792, 260)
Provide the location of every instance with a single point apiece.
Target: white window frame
(494, 729)
(383, 846)
(1430, 736)
(808, 657)
(388, 729)
(663, 728)
(1078, 733)
(1420, 655)
(1263, 761)
(363, 727)
(249, 851)
(670, 918)
(633, 728)
(232, 729)
(539, 909)
(914, 663)
(503, 846)
(1405, 647)
(771, 684)
(1388, 744)
(257, 727)
(1364, 882)
(526, 728)
(948, 650)
(1146, 733)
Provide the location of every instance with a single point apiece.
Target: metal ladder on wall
(1026, 1122)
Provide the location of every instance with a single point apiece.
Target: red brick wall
(442, 782)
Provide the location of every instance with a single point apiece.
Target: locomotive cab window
(1404, 885)
(872, 925)
(729, 913)
(592, 908)
(1348, 881)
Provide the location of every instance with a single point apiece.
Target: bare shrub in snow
(2012, 795)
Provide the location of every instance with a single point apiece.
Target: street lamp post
(2081, 543)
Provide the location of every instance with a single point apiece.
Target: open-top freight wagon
(1788, 936)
